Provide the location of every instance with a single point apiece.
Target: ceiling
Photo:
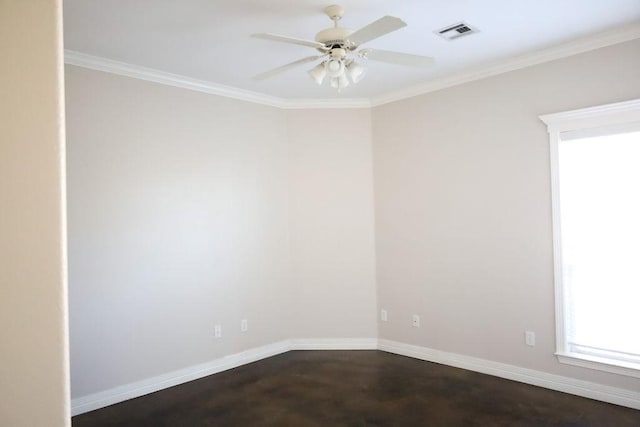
(209, 40)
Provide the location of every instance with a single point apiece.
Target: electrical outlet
(244, 325)
(217, 331)
(383, 315)
(530, 338)
(415, 321)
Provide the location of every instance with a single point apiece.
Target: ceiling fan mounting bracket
(335, 12)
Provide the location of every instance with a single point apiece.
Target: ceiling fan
(338, 46)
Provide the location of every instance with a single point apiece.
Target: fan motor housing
(334, 37)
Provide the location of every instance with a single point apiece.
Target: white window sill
(601, 364)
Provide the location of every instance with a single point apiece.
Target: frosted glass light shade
(318, 73)
(340, 82)
(334, 67)
(355, 71)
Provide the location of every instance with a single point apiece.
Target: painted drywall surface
(463, 208)
(178, 221)
(187, 210)
(331, 214)
(33, 329)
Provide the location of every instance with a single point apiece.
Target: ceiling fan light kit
(338, 43)
(318, 73)
(355, 71)
(339, 82)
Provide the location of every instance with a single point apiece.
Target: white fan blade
(286, 67)
(376, 29)
(292, 40)
(396, 57)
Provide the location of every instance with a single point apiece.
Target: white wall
(187, 210)
(463, 208)
(34, 379)
(331, 211)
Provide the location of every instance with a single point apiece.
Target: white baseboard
(581, 388)
(334, 344)
(587, 389)
(118, 394)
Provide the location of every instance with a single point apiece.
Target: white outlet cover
(383, 315)
(530, 338)
(415, 321)
(244, 325)
(218, 331)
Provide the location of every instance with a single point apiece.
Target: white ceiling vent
(452, 32)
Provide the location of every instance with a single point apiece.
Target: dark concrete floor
(356, 388)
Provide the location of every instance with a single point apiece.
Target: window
(595, 175)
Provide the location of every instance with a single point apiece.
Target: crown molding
(152, 75)
(149, 74)
(585, 44)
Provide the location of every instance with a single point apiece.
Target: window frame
(618, 114)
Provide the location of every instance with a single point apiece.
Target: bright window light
(599, 188)
(595, 185)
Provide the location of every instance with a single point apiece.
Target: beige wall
(187, 210)
(331, 214)
(33, 330)
(177, 222)
(463, 208)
